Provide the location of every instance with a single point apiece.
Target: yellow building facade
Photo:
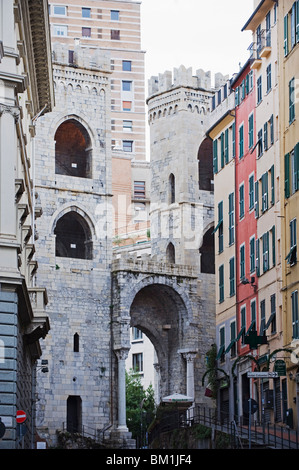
(288, 44)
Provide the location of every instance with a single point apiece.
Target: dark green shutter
(296, 165)
(287, 175)
(272, 185)
(226, 153)
(215, 156)
(286, 35)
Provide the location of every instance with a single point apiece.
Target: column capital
(122, 353)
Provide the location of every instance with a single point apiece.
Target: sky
(202, 34)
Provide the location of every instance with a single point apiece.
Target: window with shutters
(295, 319)
(241, 141)
(265, 242)
(231, 218)
(242, 261)
(241, 201)
(291, 100)
(250, 131)
(252, 254)
(232, 276)
(251, 191)
(221, 283)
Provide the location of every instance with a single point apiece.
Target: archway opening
(73, 237)
(207, 250)
(205, 165)
(73, 152)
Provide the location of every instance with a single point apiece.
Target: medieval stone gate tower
(94, 297)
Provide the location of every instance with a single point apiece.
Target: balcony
(264, 46)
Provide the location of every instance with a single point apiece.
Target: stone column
(190, 356)
(122, 355)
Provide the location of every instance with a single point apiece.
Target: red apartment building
(245, 222)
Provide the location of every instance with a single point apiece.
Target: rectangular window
(127, 126)
(272, 176)
(291, 100)
(231, 219)
(287, 175)
(215, 156)
(114, 15)
(256, 199)
(295, 314)
(268, 30)
(243, 322)
(273, 313)
(257, 256)
(258, 40)
(293, 25)
(265, 240)
(269, 78)
(264, 192)
(286, 35)
(59, 10)
(226, 149)
(127, 145)
(127, 105)
(86, 32)
(292, 256)
(259, 90)
(251, 192)
(222, 343)
(137, 362)
(222, 149)
(241, 201)
(260, 143)
(266, 136)
(250, 131)
(273, 245)
(86, 12)
(295, 168)
(59, 30)
(233, 338)
(220, 226)
(139, 189)
(127, 66)
(221, 283)
(253, 314)
(252, 254)
(297, 21)
(126, 85)
(136, 334)
(115, 34)
(242, 261)
(241, 141)
(232, 276)
(234, 140)
(271, 130)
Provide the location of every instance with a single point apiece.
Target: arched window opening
(170, 253)
(73, 150)
(73, 237)
(205, 165)
(171, 188)
(207, 250)
(76, 342)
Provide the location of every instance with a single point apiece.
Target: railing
(258, 434)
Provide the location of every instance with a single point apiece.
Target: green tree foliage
(140, 406)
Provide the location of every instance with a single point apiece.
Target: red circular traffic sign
(21, 416)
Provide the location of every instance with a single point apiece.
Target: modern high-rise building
(115, 27)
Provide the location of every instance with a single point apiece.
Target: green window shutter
(264, 192)
(266, 136)
(215, 156)
(222, 149)
(291, 100)
(252, 254)
(220, 225)
(221, 283)
(251, 192)
(272, 129)
(242, 262)
(257, 256)
(232, 276)
(241, 141)
(256, 199)
(226, 152)
(287, 175)
(286, 35)
(241, 201)
(247, 84)
(231, 219)
(297, 20)
(272, 184)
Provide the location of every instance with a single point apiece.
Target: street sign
(280, 367)
(21, 416)
(262, 375)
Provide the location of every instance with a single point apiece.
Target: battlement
(81, 57)
(183, 77)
